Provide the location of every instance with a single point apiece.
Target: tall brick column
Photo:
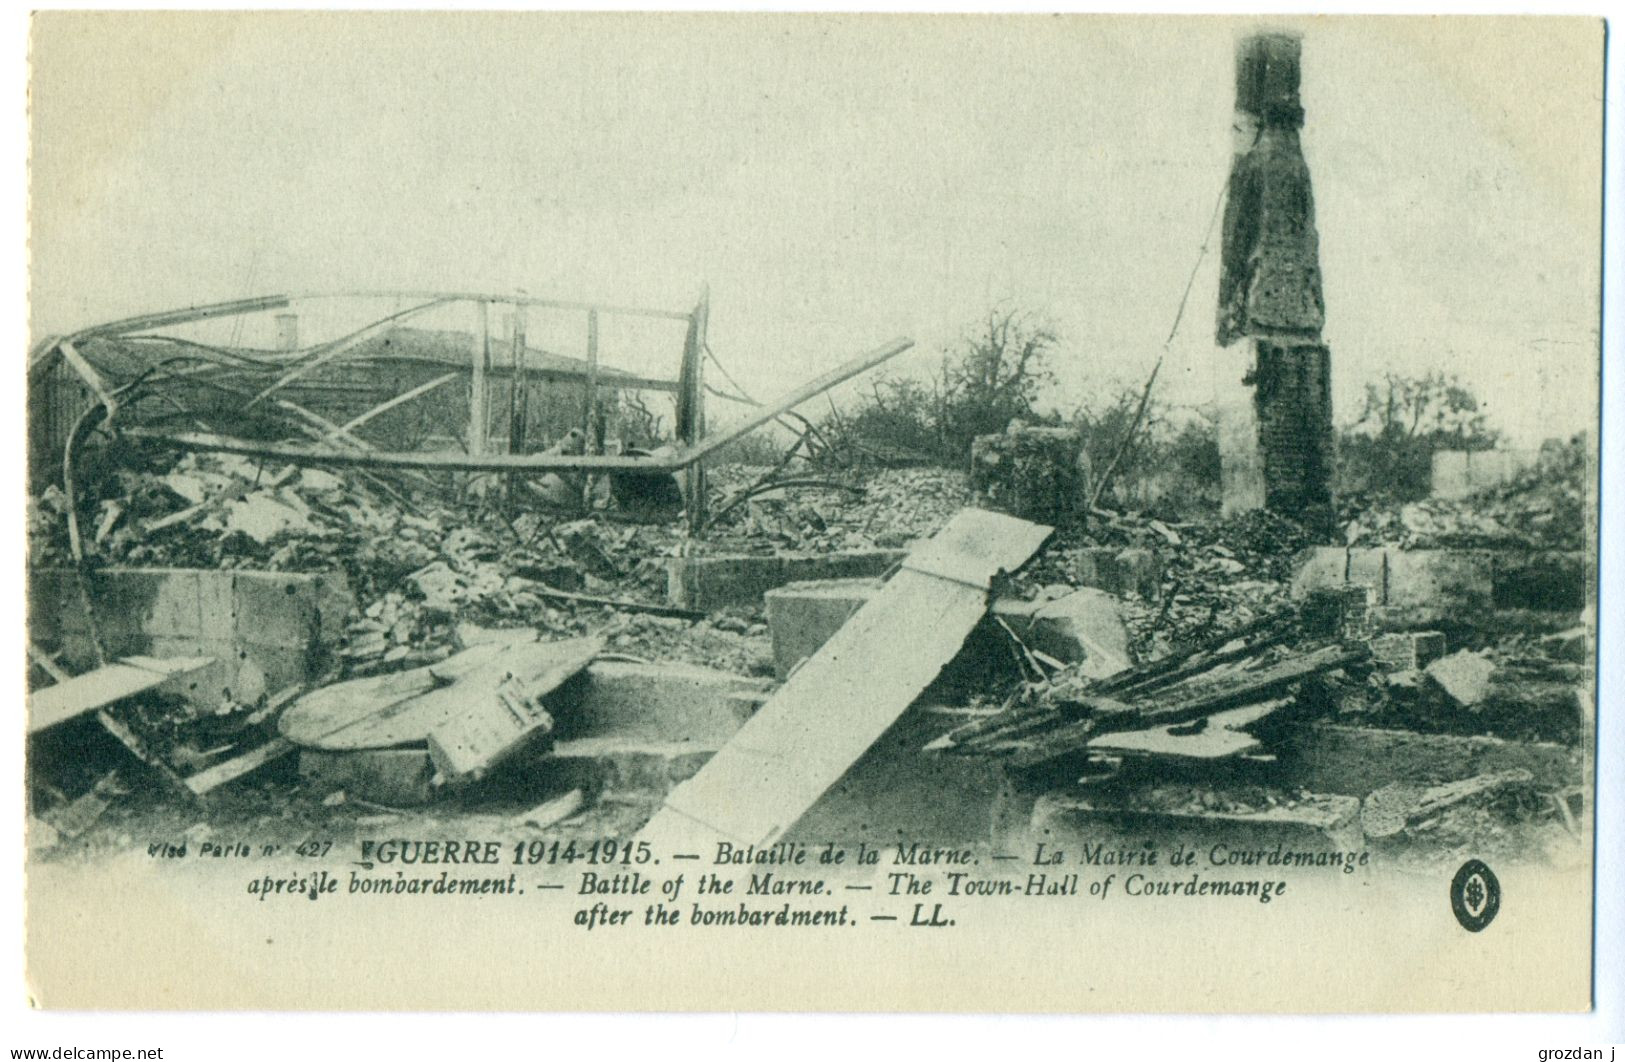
(1276, 449)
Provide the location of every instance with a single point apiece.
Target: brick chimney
(1276, 448)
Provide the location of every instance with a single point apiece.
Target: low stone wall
(710, 583)
(266, 630)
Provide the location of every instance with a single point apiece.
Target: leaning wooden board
(404, 707)
(847, 694)
(85, 693)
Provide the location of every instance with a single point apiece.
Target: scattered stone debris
(1133, 650)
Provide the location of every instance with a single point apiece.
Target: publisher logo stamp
(1475, 895)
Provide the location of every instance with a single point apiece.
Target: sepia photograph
(531, 511)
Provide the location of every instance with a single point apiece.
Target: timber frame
(336, 445)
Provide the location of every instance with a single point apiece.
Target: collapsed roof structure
(146, 381)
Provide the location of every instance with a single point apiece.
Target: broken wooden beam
(82, 694)
(1247, 687)
(668, 462)
(212, 778)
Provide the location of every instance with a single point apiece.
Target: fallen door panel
(847, 694)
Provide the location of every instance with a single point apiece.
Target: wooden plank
(845, 696)
(140, 750)
(1394, 807)
(590, 384)
(1248, 687)
(518, 387)
(495, 725)
(811, 389)
(213, 778)
(82, 694)
(485, 296)
(47, 663)
(404, 708)
(694, 377)
(399, 400)
(479, 389)
(150, 321)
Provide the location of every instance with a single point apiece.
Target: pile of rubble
(1541, 508)
(1129, 652)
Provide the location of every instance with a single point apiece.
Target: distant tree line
(1000, 371)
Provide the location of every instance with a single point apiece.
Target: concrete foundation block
(616, 765)
(652, 703)
(1407, 651)
(266, 630)
(710, 583)
(1121, 571)
(803, 616)
(1327, 758)
(1081, 626)
(1413, 587)
(1439, 580)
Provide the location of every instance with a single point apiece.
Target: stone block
(617, 765)
(896, 792)
(710, 583)
(651, 703)
(1409, 586)
(1439, 581)
(803, 616)
(265, 629)
(1082, 626)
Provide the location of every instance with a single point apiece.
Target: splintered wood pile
(1223, 697)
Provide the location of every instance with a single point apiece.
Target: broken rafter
(512, 300)
(399, 400)
(1246, 688)
(1395, 807)
(670, 462)
(186, 316)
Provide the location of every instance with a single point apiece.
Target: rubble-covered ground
(425, 558)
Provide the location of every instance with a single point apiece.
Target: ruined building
(1277, 447)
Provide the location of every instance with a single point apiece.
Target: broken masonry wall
(1294, 403)
(1278, 455)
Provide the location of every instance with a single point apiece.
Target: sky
(835, 181)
